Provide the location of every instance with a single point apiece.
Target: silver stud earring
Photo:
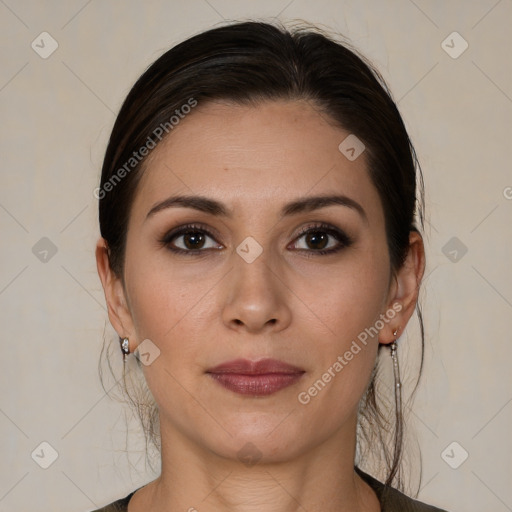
(125, 347)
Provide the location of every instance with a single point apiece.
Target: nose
(257, 297)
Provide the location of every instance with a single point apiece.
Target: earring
(398, 387)
(125, 347)
(396, 368)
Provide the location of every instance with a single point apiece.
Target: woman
(259, 251)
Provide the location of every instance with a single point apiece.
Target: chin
(257, 443)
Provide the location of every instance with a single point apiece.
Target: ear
(117, 305)
(404, 290)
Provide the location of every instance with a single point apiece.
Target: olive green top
(390, 499)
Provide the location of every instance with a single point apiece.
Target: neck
(193, 478)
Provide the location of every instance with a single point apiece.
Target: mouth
(256, 378)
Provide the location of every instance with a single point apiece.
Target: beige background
(56, 116)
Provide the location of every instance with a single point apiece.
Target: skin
(205, 309)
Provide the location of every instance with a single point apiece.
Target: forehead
(254, 158)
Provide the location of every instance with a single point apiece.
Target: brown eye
(317, 239)
(193, 240)
(323, 239)
(189, 239)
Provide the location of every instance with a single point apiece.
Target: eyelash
(343, 239)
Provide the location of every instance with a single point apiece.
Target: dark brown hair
(247, 63)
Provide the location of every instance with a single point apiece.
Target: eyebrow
(213, 207)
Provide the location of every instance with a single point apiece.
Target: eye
(319, 239)
(323, 238)
(190, 239)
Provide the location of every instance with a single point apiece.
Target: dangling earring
(396, 368)
(398, 427)
(125, 347)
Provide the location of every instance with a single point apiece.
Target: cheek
(344, 353)
(168, 308)
(161, 294)
(345, 299)
(347, 303)
(173, 306)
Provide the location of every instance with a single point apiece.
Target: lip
(256, 378)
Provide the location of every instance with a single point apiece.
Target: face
(251, 277)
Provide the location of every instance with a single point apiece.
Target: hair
(247, 63)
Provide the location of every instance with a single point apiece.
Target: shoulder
(120, 505)
(392, 500)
